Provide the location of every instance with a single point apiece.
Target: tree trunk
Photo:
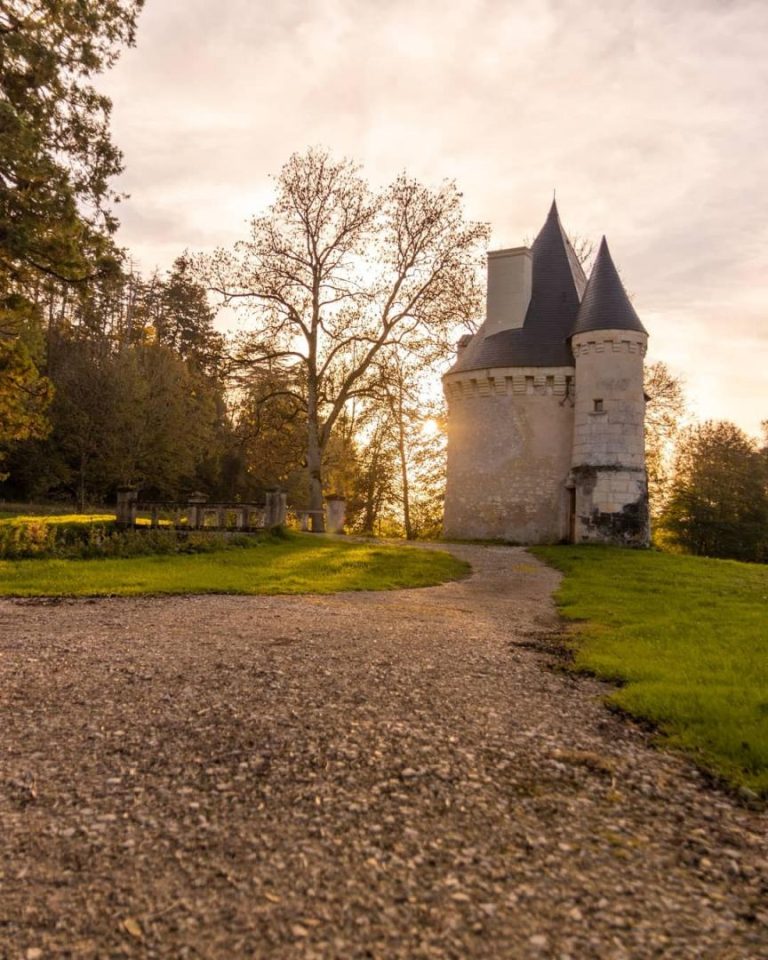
(409, 532)
(372, 497)
(371, 502)
(81, 486)
(315, 469)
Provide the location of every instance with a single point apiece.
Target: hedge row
(43, 537)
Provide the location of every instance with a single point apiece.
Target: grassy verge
(293, 564)
(688, 639)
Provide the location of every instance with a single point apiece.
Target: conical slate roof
(558, 283)
(606, 305)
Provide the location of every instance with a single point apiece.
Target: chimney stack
(509, 289)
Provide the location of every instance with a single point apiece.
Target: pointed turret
(558, 283)
(606, 305)
(608, 478)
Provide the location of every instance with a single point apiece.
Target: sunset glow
(647, 118)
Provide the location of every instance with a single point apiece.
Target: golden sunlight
(430, 428)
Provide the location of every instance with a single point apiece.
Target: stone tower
(531, 458)
(608, 476)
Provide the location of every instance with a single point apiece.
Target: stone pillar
(269, 509)
(125, 514)
(195, 514)
(336, 507)
(281, 508)
(274, 511)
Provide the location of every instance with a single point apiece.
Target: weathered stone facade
(509, 454)
(546, 405)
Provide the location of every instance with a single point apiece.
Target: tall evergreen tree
(56, 162)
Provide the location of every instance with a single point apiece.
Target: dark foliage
(718, 502)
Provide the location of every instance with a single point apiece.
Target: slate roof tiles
(606, 305)
(556, 310)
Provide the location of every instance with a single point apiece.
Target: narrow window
(598, 406)
(529, 384)
(550, 385)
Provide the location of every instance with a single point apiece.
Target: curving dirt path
(392, 775)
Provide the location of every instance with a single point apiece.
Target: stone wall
(611, 506)
(509, 454)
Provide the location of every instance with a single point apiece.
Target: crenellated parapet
(619, 341)
(517, 381)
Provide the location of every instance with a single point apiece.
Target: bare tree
(334, 274)
(664, 415)
(407, 409)
(584, 248)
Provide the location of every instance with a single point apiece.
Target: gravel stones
(372, 775)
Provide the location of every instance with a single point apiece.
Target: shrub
(28, 537)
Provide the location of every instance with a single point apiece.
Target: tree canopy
(56, 154)
(718, 501)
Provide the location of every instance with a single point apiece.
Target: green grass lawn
(295, 564)
(687, 637)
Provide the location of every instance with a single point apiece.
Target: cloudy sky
(649, 117)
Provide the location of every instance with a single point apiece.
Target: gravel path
(391, 775)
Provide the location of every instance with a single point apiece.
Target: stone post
(269, 509)
(336, 507)
(195, 515)
(274, 511)
(125, 514)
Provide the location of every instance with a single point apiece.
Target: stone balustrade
(196, 513)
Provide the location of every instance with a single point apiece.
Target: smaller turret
(608, 483)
